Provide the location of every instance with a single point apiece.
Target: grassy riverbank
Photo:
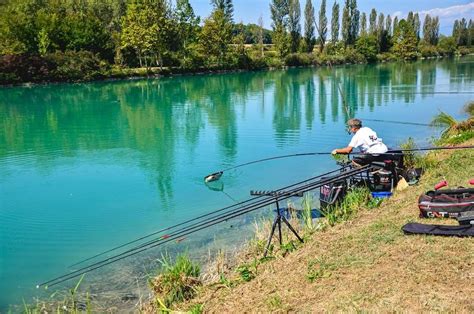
(363, 263)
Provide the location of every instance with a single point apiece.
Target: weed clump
(357, 198)
(177, 281)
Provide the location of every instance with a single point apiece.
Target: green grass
(354, 200)
(177, 281)
(61, 302)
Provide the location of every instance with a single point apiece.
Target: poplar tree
(350, 22)
(434, 30)
(335, 22)
(323, 25)
(260, 35)
(279, 10)
(455, 33)
(294, 26)
(372, 22)
(355, 20)
(461, 36)
(416, 26)
(395, 24)
(309, 25)
(410, 19)
(388, 25)
(226, 6)
(470, 36)
(382, 36)
(346, 24)
(427, 29)
(363, 24)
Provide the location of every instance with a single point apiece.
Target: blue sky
(248, 11)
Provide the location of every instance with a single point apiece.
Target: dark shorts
(367, 159)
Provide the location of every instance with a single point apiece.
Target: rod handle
(441, 184)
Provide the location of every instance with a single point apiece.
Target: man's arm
(345, 150)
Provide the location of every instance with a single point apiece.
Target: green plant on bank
(355, 199)
(307, 217)
(196, 309)
(412, 159)
(69, 303)
(455, 131)
(319, 268)
(177, 281)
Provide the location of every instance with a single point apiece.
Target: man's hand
(334, 152)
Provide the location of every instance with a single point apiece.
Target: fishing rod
(217, 175)
(184, 223)
(298, 188)
(396, 122)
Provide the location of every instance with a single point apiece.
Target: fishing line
(206, 224)
(217, 175)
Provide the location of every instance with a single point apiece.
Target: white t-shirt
(368, 142)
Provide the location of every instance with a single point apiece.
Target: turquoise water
(85, 167)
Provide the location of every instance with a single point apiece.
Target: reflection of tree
(151, 116)
(427, 78)
(322, 100)
(287, 113)
(309, 103)
(460, 72)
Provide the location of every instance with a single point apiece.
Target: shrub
(447, 46)
(427, 50)
(299, 59)
(24, 68)
(77, 65)
(368, 47)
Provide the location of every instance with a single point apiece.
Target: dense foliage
(50, 40)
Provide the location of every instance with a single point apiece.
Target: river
(86, 167)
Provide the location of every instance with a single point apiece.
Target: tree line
(86, 39)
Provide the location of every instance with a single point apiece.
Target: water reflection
(152, 116)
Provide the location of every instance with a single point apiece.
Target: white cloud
(397, 13)
(446, 15)
(453, 12)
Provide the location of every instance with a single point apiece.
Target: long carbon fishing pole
(396, 122)
(300, 187)
(187, 222)
(217, 175)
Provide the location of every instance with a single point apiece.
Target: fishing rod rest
(276, 193)
(279, 217)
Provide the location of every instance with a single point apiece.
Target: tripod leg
(279, 231)
(271, 236)
(291, 228)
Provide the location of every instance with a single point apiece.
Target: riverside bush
(58, 66)
(77, 65)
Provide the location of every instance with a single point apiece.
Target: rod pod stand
(278, 217)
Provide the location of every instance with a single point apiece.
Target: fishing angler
(366, 140)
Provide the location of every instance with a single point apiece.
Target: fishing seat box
(446, 203)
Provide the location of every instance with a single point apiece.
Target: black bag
(439, 230)
(446, 203)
